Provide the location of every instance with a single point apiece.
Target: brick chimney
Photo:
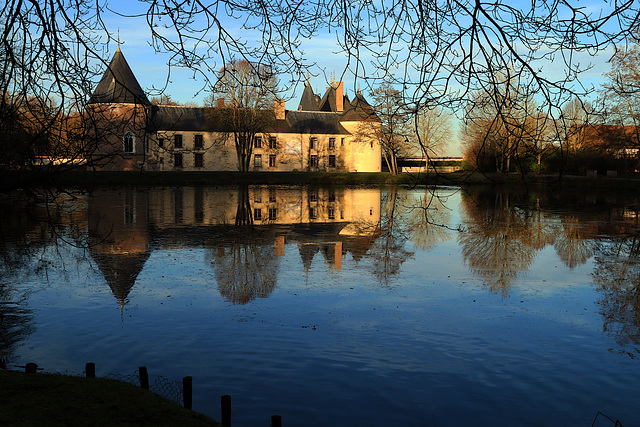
(339, 97)
(220, 102)
(278, 109)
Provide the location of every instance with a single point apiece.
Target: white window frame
(127, 135)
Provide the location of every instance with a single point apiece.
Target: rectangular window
(313, 195)
(177, 160)
(198, 142)
(272, 160)
(273, 142)
(257, 214)
(272, 195)
(257, 142)
(199, 160)
(272, 214)
(332, 196)
(332, 160)
(313, 212)
(160, 142)
(177, 141)
(332, 143)
(257, 196)
(313, 161)
(257, 160)
(331, 212)
(342, 142)
(313, 143)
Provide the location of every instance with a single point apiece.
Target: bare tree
(393, 125)
(434, 130)
(501, 124)
(575, 117)
(248, 92)
(619, 97)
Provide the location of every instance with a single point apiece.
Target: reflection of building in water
(126, 226)
(119, 237)
(267, 205)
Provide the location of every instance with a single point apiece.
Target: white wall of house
(169, 150)
(364, 156)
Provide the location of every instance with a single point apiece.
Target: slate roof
(207, 119)
(309, 100)
(118, 84)
(354, 110)
(328, 101)
(358, 109)
(164, 117)
(315, 122)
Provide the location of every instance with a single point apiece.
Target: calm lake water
(336, 306)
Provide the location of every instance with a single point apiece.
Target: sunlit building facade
(127, 132)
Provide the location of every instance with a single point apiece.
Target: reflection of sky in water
(432, 346)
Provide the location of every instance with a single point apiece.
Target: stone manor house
(126, 132)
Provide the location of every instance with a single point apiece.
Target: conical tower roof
(358, 109)
(309, 100)
(118, 85)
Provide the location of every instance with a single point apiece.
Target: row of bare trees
(445, 51)
(506, 128)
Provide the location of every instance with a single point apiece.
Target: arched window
(129, 141)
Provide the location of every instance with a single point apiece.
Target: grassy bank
(58, 400)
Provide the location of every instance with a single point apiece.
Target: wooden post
(226, 410)
(276, 421)
(187, 395)
(31, 368)
(144, 377)
(90, 370)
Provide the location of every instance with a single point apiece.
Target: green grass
(59, 400)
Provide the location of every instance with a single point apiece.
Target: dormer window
(129, 142)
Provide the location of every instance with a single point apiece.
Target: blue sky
(186, 86)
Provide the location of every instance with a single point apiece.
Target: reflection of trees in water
(31, 225)
(245, 269)
(244, 214)
(16, 321)
(617, 272)
(573, 245)
(22, 231)
(427, 220)
(501, 240)
(32, 222)
(388, 250)
(496, 255)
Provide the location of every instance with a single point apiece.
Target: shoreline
(12, 179)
